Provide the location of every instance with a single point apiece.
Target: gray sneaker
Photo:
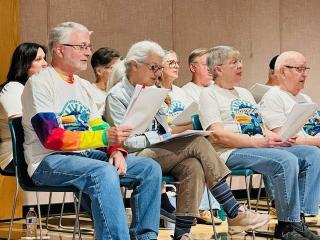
(247, 221)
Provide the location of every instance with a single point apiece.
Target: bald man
(292, 71)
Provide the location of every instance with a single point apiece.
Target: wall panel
(117, 24)
(300, 31)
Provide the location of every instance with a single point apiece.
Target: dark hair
(272, 62)
(21, 62)
(103, 56)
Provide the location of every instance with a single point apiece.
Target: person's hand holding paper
(296, 119)
(117, 135)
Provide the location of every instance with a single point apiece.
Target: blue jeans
(89, 172)
(294, 172)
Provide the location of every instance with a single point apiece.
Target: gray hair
(167, 54)
(139, 51)
(118, 72)
(198, 52)
(62, 32)
(217, 55)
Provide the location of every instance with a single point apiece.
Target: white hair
(118, 72)
(139, 51)
(283, 59)
(62, 32)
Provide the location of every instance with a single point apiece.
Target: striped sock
(183, 225)
(225, 198)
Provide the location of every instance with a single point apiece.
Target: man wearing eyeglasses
(63, 130)
(292, 71)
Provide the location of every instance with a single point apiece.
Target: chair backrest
(196, 124)
(17, 136)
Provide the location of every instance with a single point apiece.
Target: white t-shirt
(236, 109)
(99, 97)
(276, 104)
(49, 102)
(10, 106)
(179, 101)
(193, 90)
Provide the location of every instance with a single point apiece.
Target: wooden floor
(200, 231)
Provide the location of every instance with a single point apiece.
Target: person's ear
(218, 69)
(98, 71)
(59, 50)
(282, 72)
(192, 68)
(134, 65)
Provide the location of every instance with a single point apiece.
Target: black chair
(25, 182)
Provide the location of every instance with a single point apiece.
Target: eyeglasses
(79, 47)
(154, 67)
(173, 63)
(299, 69)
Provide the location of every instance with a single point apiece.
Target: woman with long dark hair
(27, 59)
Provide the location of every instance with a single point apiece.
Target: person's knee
(193, 170)
(106, 173)
(152, 167)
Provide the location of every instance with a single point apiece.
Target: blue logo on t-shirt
(312, 127)
(175, 108)
(247, 116)
(75, 116)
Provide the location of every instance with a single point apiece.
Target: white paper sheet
(186, 133)
(185, 117)
(144, 105)
(299, 115)
(258, 90)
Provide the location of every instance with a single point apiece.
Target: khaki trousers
(194, 163)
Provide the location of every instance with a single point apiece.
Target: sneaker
(247, 220)
(186, 236)
(170, 217)
(273, 213)
(205, 218)
(294, 230)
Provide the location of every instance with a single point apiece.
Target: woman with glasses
(176, 102)
(27, 59)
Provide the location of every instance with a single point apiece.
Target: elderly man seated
(63, 128)
(292, 71)
(243, 141)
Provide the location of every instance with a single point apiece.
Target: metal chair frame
(24, 181)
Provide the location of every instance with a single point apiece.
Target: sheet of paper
(258, 90)
(186, 133)
(144, 105)
(296, 119)
(185, 117)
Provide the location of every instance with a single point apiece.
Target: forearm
(181, 128)
(235, 140)
(311, 140)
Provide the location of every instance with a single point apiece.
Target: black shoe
(170, 217)
(294, 231)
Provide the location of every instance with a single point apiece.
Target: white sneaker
(247, 220)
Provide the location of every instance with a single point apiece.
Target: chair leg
(39, 217)
(13, 208)
(259, 193)
(48, 213)
(248, 192)
(62, 208)
(77, 210)
(212, 217)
